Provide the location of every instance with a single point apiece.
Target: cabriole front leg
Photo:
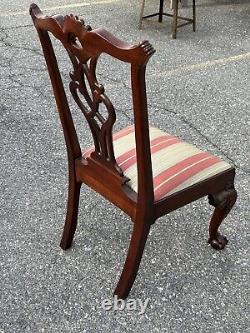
(223, 203)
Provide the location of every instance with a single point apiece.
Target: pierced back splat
(83, 76)
(100, 123)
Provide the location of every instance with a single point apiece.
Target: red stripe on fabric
(120, 159)
(178, 167)
(183, 176)
(154, 148)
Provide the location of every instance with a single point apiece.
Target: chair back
(84, 47)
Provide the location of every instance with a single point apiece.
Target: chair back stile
(144, 164)
(71, 139)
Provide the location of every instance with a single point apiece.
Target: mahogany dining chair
(144, 171)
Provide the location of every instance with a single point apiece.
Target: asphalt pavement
(198, 88)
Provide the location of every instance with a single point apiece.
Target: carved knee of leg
(224, 200)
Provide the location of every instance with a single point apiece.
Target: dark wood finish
(137, 243)
(160, 11)
(223, 202)
(175, 16)
(194, 16)
(100, 171)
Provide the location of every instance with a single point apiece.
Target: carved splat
(96, 107)
(89, 94)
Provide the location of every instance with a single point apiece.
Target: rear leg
(135, 252)
(72, 211)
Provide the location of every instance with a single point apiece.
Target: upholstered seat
(176, 164)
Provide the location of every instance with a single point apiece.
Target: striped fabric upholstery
(176, 164)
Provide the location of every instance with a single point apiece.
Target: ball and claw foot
(219, 242)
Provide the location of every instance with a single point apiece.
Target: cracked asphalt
(198, 88)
